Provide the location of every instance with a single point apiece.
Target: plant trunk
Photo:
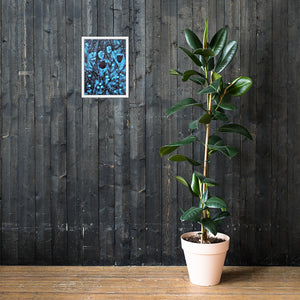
(204, 236)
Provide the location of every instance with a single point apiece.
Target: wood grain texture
(82, 182)
(145, 283)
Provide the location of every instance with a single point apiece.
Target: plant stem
(206, 169)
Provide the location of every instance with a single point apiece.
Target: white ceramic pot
(205, 261)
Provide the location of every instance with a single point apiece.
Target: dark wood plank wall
(82, 181)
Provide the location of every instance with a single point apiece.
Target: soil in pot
(197, 239)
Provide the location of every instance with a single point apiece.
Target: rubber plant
(214, 104)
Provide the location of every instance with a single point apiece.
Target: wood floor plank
(49, 282)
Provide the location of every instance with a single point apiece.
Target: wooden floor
(23, 282)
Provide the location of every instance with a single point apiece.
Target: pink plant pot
(205, 261)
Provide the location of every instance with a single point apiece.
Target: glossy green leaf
(205, 196)
(240, 87)
(215, 202)
(192, 39)
(167, 149)
(175, 72)
(187, 74)
(182, 180)
(178, 157)
(226, 56)
(205, 119)
(217, 115)
(204, 52)
(215, 76)
(193, 214)
(212, 88)
(210, 64)
(218, 218)
(210, 225)
(198, 80)
(226, 103)
(217, 144)
(205, 34)
(187, 102)
(218, 41)
(235, 128)
(203, 179)
(195, 184)
(192, 56)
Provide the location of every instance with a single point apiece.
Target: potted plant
(205, 251)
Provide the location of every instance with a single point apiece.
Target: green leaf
(218, 218)
(205, 196)
(226, 103)
(192, 39)
(205, 34)
(187, 74)
(195, 184)
(221, 216)
(192, 56)
(218, 115)
(232, 151)
(235, 128)
(198, 80)
(215, 202)
(182, 180)
(203, 179)
(175, 72)
(210, 64)
(210, 225)
(217, 144)
(204, 52)
(240, 87)
(215, 76)
(192, 214)
(194, 125)
(167, 149)
(212, 88)
(226, 56)
(178, 157)
(218, 41)
(187, 102)
(205, 119)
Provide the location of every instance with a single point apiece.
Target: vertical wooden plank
(122, 150)
(137, 133)
(279, 135)
(169, 131)
(58, 132)
(26, 145)
(250, 161)
(106, 152)
(90, 163)
(232, 168)
(74, 132)
(293, 132)
(10, 131)
(153, 131)
(1, 137)
(184, 117)
(263, 180)
(43, 131)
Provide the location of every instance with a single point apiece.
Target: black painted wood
(82, 182)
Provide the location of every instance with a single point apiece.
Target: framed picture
(105, 67)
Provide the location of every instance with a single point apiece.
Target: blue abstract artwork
(104, 67)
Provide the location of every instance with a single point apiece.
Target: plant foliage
(213, 105)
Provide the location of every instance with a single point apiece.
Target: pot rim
(205, 248)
